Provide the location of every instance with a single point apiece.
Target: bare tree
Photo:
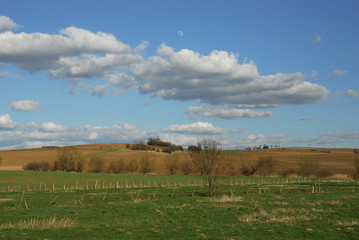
(172, 163)
(68, 159)
(207, 159)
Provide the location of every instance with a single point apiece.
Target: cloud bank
(202, 128)
(215, 79)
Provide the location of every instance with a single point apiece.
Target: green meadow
(57, 205)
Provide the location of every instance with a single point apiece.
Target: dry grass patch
(348, 223)
(285, 215)
(34, 223)
(223, 199)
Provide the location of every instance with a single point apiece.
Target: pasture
(132, 206)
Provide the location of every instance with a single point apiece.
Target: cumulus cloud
(215, 79)
(6, 123)
(217, 113)
(352, 93)
(336, 73)
(25, 105)
(219, 79)
(6, 24)
(41, 51)
(203, 128)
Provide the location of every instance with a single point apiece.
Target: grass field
(174, 207)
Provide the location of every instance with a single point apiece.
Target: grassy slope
(336, 160)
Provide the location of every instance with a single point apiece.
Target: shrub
(132, 166)
(186, 167)
(139, 145)
(167, 150)
(308, 167)
(355, 173)
(265, 166)
(68, 159)
(249, 166)
(37, 166)
(172, 163)
(97, 164)
(146, 165)
(117, 166)
(323, 173)
(32, 166)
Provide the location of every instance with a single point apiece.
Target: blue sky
(246, 73)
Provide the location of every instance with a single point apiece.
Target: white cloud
(331, 138)
(52, 127)
(41, 51)
(255, 140)
(99, 91)
(352, 93)
(44, 127)
(219, 79)
(33, 134)
(140, 48)
(6, 123)
(217, 113)
(25, 105)
(204, 128)
(215, 79)
(6, 24)
(336, 73)
(180, 33)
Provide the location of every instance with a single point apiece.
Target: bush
(172, 163)
(167, 150)
(265, 166)
(139, 145)
(37, 166)
(68, 159)
(97, 164)
(146, 165)
(355, 173)
(132, 166)
(249, 166)
(117, 166)
(186, 167)
(308, 167)
(323, 173)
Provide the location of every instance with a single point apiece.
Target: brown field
(338, 161)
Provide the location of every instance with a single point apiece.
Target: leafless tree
(207, 159)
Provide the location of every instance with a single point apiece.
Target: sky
(246, 73)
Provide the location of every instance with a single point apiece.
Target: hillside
(336, 160)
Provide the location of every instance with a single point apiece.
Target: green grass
(258, 208)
